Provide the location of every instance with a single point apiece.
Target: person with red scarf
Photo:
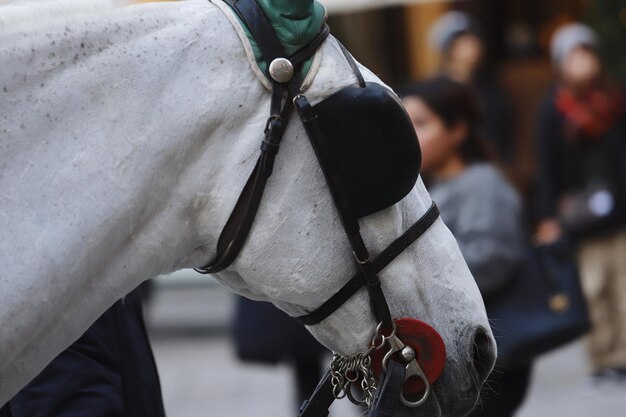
(581, 186)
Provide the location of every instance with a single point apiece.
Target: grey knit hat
(570, 37)
(448, 27)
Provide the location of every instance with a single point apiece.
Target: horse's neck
(106, 128)
(26, 15)
(120, 112)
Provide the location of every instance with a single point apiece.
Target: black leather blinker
(372, 146)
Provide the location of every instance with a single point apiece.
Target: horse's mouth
(446, 406)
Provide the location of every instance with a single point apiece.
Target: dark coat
(263, 333)
(108, 372)
(566, 165)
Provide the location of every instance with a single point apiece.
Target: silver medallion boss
(281, 70)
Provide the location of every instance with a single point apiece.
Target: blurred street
(201, 377)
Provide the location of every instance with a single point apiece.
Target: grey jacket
(483, 212)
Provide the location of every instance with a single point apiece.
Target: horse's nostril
(483, 354)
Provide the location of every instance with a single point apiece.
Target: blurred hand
(548, 231)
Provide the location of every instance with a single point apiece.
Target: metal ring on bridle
(383, 338)
(270, 119)
(360, 261)
(427, 390)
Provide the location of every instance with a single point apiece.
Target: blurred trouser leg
(602, 263)
(503, 393)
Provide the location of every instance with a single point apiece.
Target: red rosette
(429, 348)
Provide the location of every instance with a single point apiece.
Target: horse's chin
(456, 407)
(452, 402)
(431, 408)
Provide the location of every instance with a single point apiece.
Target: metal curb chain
(349, 370)
(346, 370)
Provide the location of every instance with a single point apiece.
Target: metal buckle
(273, 117)
(361, 261)
(413, 369)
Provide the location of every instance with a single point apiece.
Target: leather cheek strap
(379, 263)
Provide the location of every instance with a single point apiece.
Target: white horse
(126, 136)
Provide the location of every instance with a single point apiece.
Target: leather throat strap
(237, 227)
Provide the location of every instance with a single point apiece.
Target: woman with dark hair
(477, 203)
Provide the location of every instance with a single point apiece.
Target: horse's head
(297, 256)
(129, 138)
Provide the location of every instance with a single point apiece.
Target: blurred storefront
(393, 42)
(391, 38)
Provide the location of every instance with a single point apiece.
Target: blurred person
(581, 186)
(108, 372)
(477, 203)
(266, 335)
(465, 59)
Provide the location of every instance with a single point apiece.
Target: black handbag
(542, 309)
(590, 210)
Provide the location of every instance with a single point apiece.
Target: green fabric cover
(296, 23)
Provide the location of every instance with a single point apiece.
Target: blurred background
(190, 316)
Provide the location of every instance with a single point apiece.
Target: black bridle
(286, 96)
